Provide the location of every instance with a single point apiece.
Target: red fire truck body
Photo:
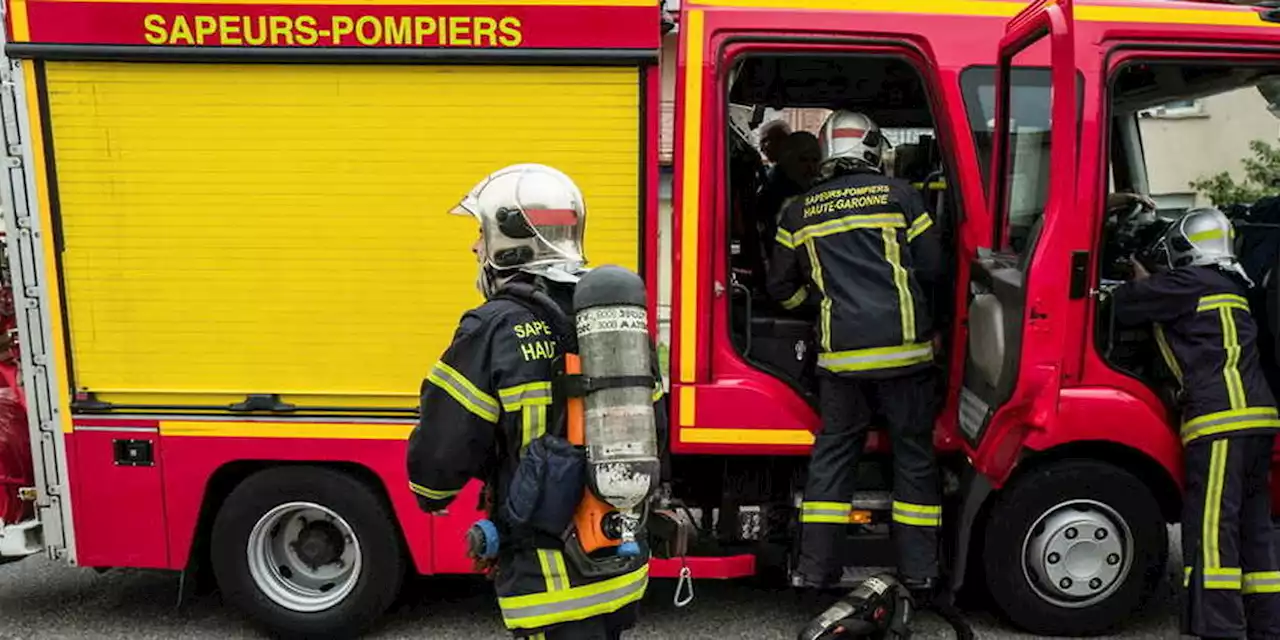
(232, 267)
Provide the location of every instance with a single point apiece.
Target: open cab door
(1020, 286)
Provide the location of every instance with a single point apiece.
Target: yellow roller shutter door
(282, 229)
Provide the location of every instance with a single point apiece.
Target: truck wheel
(1074, 548)
(307, 552)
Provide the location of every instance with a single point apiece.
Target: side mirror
(1269, 87)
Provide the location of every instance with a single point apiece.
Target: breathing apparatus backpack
(587, 480)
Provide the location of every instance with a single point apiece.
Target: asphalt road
(43, 599)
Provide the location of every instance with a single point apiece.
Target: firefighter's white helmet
(1199, 237)
(532, 218)
(849, 136)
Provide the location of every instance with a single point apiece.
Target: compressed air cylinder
(614, 347)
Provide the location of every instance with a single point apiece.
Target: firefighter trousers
(848, 406)
(603, 627)
(1231, 575)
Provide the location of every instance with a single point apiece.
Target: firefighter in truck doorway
(1189, 285)
(860, 247)
(489, 404)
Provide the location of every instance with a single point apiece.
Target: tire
(255, 565)
(1028, 521)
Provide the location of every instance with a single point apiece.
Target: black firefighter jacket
(481, 404)
(1208, 340)
(862, 248)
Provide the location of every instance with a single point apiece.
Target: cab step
(20, 540)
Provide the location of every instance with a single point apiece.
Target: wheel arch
(229, 475)
(1157, 477)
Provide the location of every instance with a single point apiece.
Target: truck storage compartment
(236, 230)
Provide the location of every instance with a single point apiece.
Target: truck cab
(1052, 424)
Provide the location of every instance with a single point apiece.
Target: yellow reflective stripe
(1207, 234)
(1218, 578)
(1223, 300)
(1221, 306)
(1262, 582)
(1213, 505)
(432, 493)
(919, 226)
(1230, 370)
(937, 184)
(1167, 353)
(521, 395)
(575, 603)
(824, 308)
(1231, 420)
(849, 223)
(906, 308)
(784, 238)
(657, 392)
(462, 390)
(1223, 297)
(554, 573)
(917, 515)
(824, 512)
(877, 358)
(1221, 578)
(796, 300)
(533, 423)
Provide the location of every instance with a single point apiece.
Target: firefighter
(860, 247)
(1196, 300)
(490, 398)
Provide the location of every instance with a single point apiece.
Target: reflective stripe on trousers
(573, 603)
(917, 515)
(876, 358)
(1232, 420)
(1262, 582)
(1221, 579)
(824, 512)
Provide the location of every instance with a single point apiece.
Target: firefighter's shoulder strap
(549, 478)
(537, 302)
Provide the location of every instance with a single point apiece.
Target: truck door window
(1029, 102)
(1209, 137)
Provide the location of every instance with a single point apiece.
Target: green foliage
(1262, 177)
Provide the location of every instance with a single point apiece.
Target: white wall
(1184, 145)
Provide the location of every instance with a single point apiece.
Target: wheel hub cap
(319, 544)
(1077, 553)
(304, 557)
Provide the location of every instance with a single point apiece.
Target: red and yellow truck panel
(246, 203)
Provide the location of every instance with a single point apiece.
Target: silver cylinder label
(612, 319)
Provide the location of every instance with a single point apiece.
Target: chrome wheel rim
(304, 557)
(1077, 553)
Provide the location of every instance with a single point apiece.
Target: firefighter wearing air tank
(860, 247)
(498, 407)
(1190, 287)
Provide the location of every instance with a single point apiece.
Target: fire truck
(231, 269)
